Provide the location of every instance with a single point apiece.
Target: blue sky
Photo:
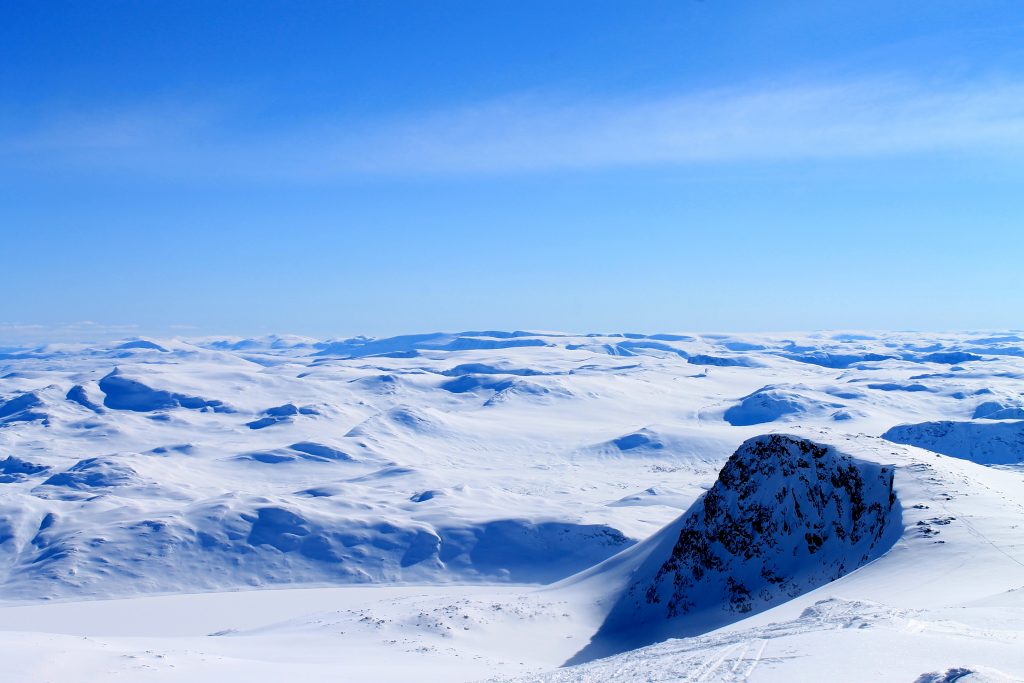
(345, 167)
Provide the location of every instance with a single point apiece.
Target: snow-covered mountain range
(461, 506)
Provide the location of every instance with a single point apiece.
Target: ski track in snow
(456, 507)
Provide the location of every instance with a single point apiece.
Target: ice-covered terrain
(514, 505)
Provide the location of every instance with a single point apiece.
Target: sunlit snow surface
(449, 507)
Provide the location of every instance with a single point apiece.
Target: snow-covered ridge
(939, 601)
(985, 441)
(175, 464)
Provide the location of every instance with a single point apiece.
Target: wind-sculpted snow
(1012, 409)
(142, 344)
(643, 439)
(983, 442)
(79, 395)
(14, 469)
(836, 360)
(465, 383)
(484, 369)
(24, 408)
(455, 463)
(720, 361)
(306, 450)
(641, 345)
(529, 392)
(896, 386)
(237, 541)
(123, 393)
(771, 403)
(283, 414)
(1009, 413)
(442, 431)
(785, 516)
(93, 473)
(654, 496)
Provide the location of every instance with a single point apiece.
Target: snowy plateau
(514, 506)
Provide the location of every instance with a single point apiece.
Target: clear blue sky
(343, 167)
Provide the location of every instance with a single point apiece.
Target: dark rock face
(786, 516)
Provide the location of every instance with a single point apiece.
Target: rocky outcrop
(786, 515)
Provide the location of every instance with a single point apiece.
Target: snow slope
(982, 441)
(470, 504)
(946, 597)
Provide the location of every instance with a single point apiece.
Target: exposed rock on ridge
(786, 515)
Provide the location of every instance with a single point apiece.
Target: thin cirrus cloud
(782, 123)
(14, 335)
(868, 118)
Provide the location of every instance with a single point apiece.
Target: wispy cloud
(19, 334)
(117, 128)
(794, 121)
(781, 123)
